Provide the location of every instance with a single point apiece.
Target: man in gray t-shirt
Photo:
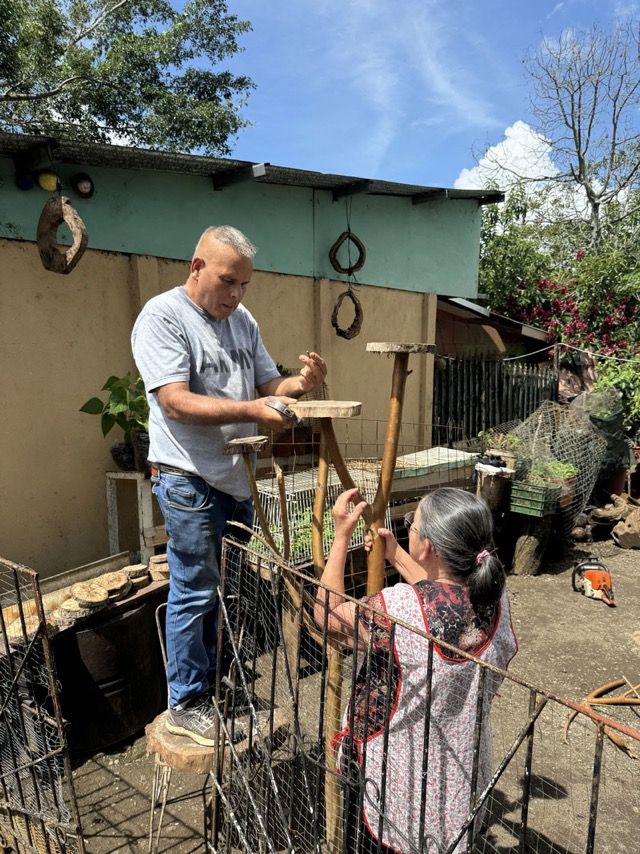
(201, 358)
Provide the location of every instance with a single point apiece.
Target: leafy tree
(592, 306)
(136, 71)
(509, 254)
(625, 377)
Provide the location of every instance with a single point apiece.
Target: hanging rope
(349, 238)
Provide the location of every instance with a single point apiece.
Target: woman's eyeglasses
(408, 521)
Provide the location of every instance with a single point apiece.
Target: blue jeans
(196, 517)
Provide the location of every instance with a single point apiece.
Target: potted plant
(127, 407)
(506, 445)
(554, 471)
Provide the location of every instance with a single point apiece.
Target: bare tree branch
(104, 13)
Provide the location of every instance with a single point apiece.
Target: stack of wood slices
(159, 568)
(88, 597)
(66, 606)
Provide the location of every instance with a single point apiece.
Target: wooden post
(375, 563)
(246, 447)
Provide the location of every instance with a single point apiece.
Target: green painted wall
(425, 248)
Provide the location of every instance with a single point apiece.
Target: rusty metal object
(597, 698)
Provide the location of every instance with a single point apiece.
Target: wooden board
(395, 347)
(245, 445)
(417, 471)
(327, 408)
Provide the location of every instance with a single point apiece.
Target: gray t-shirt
(174, 340)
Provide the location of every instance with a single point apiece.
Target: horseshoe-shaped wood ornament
(356, 325)
(362, 254)
(56, 211)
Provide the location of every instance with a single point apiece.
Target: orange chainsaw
(593, 579)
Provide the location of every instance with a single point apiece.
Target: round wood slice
(141, 581)
(115, 582)
(137, 570)
(154, 559)
(160, 572)
(89, 594)
(123, 592)
(61, 619)
(16, 632)
(327, 408)
(72, 609)
(245, 445)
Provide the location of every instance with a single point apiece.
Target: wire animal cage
(300, 490)
(38, 808)
(548, 789)
(417, 470)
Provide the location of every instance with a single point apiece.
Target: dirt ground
(568, 645)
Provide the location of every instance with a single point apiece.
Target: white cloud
(521, 154)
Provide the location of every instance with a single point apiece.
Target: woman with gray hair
(452, 589)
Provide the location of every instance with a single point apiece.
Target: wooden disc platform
(183, 754)
(395, 347)
(326, 408)
(245, 445)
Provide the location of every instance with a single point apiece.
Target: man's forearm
(186, 407)
(285, 387)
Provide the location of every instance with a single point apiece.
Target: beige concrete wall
(62, 336)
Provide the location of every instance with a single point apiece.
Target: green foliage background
(138, 72)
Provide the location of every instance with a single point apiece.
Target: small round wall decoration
(56, 211)
(82, 185)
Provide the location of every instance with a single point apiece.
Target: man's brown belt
(156, 468)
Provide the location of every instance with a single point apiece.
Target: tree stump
(531, 544)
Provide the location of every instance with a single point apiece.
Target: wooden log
(183, 754)
(530, 545)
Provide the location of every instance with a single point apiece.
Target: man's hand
(313, 373)
(269, 417)
(311, 376)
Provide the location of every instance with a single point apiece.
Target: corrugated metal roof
(224, 171)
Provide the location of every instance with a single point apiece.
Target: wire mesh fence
(561, 454)
(418, 467)
(38, 810)
(296, 774)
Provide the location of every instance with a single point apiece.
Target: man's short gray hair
(230, 236)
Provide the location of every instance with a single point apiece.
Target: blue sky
(399, 90)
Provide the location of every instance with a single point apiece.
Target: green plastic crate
(533, 499)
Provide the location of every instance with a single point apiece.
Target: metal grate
(545, 790)
(38, 809)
